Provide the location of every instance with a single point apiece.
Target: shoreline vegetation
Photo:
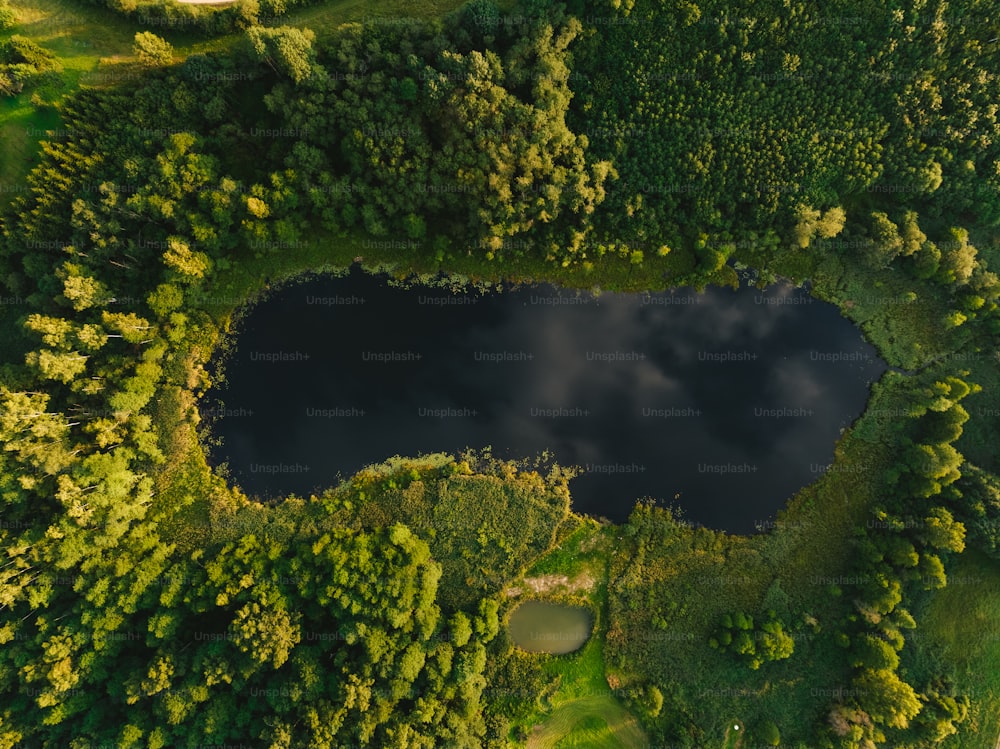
(146, 603)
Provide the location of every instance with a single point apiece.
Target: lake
(542, 627)
(722, 404)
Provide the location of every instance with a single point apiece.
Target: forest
(628, 145)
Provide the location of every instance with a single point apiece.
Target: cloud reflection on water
(682, 390)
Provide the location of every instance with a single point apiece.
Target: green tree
(941, 713)
(81, 290)
(768, 733)
(806, 219)
(887, 244)
(958, 258)
(158, 677)
(487, 624)
(62, 366)
(831, 223)
(942, 532)
(932, 572)
(247, 12)
(152, 50)
(887, 698)
(461, 629)
(927, 261)
(872, 652)
(130, 327)
(8, 18)
(286, 50)
(267, 634)
(165, 299)
(775, 643)
(179, 256)
(767, 642)
(38, 438)
(654, 701)
(912, 237)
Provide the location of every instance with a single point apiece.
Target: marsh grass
(961, 624)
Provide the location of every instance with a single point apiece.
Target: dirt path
(553, 583)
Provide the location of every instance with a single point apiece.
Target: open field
(326, 17)
(589, 722)
(734, 735)
(963, 622)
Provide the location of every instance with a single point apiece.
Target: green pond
(541, 627)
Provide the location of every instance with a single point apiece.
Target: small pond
(542, 627)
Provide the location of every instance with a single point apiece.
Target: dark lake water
(722, 404)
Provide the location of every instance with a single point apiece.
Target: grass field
(598, 721)
(326, 17)
(734, 735)
(962, 622)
